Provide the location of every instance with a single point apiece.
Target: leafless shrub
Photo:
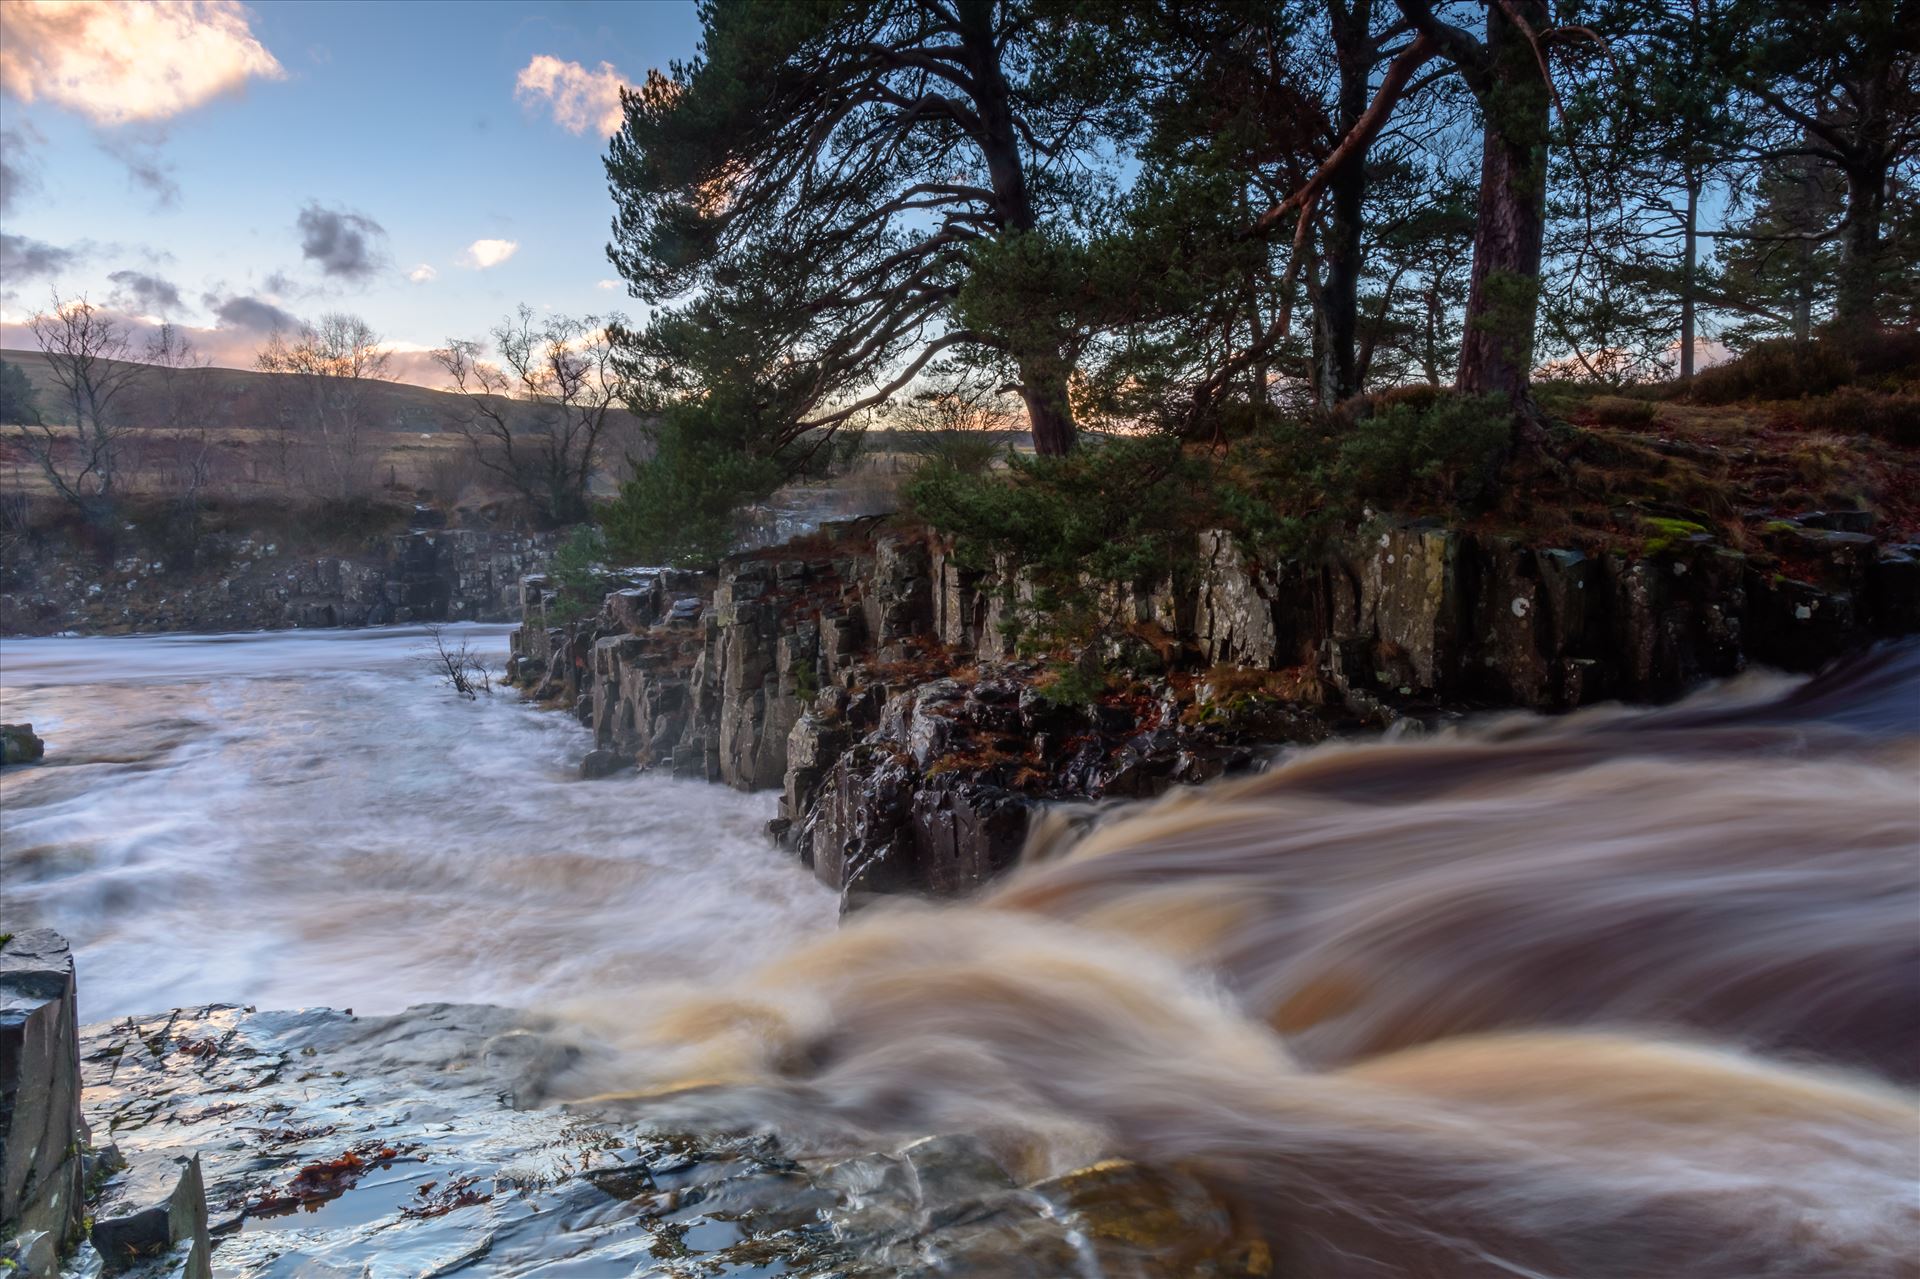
(330, 369)
(87, 352)
(963, 429)
(535, 419)
(455, 665)
(16, 521)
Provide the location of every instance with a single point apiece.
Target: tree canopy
(1111, 214)
(833, 197)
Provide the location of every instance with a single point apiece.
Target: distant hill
(242, 399)
(410, 433)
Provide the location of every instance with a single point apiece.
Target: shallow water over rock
(391, 1148)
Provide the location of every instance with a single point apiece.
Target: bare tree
(174, 390)
(87, 353)
(331, 368)
(455, 665)
(176, 398)
(535, 418)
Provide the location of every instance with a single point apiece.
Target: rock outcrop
(43, 1139)
(872, 678)
(243, 583)
(154, 1206)
(329, 1144)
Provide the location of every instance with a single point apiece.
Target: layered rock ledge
(426, 574)
(873, 680)
(317, 1143)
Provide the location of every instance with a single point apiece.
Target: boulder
(1893, 591)
(151, 1209)
(964, 833)
(602, 763)
(18, 745)
(1839, 521)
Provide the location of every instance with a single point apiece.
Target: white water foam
(305, 817)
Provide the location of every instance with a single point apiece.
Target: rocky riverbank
(309, 1143)
(237, 582)
(874, 681)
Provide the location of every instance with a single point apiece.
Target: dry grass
(1723, 467)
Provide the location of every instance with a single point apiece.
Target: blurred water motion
(1625, 993)
(307, 818)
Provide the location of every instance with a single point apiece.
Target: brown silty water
(1626, 993)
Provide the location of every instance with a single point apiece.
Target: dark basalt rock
(965, 833)
(603, 763)
(42, 1135)
(156, 1206)
(18, 745)
(870, 679)
(1842, 521)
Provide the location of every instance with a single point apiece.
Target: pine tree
(833, 196)
(18, 404)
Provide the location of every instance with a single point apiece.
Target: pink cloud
(580, 99)
(118, 64)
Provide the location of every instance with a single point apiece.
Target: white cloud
(609, 285)
(118, 63)
(580, 99)
(422, 273)
(482, 254)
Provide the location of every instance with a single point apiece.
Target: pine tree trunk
(1043, 376)
(1496, 351)
(1689, 251)
(1336, 317)
(1856, 303)
(1257, 392)
(1043, 386)
(1430, 353)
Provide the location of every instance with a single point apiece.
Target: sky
(427, 166)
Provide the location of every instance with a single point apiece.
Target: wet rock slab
(331, 1145)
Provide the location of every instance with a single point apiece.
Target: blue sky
(399, 129)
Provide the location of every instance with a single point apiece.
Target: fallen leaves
(457, 1193)
(328, 1179)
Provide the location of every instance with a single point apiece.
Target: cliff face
(873, 680)
(242, 583)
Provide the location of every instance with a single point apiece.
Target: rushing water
(308, 818)
(1628, 993)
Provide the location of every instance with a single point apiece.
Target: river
(307, 817)
(1622, 993)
